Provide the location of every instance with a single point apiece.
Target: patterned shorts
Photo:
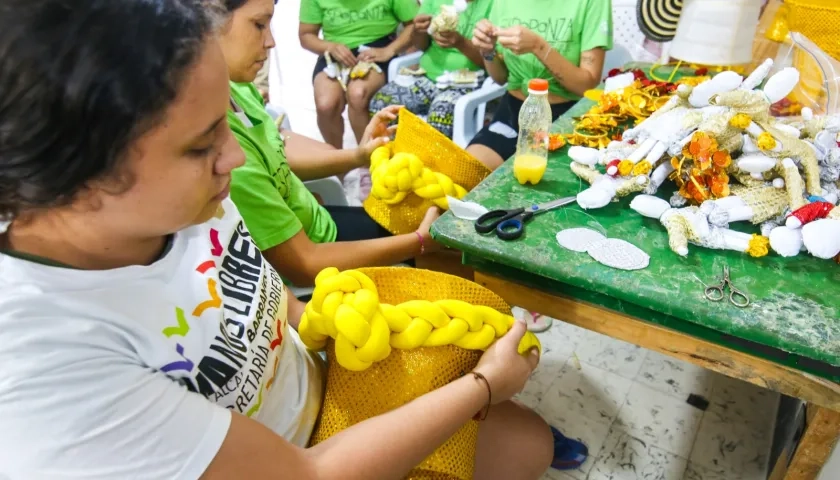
(422, 98)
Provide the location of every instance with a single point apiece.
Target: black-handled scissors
(510, 224)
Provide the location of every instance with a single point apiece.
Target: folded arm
(576, 79)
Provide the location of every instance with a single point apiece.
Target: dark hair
(80, 80)
(231, 5)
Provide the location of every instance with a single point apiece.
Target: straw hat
(658, 19)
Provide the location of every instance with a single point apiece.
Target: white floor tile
(612, 355)
(588, 431)
(590, 392)
(659, 420)
(732, 449)
(556, 475)
(627, 457)
(697, 472)
(736, 401)
(674, 377)
(562, 338)
(541, 379)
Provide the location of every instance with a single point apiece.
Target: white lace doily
(578, 239)
(619, 254)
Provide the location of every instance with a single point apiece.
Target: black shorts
(354, 224)
(508, 114)
(321, 64)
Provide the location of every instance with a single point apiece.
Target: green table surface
(794, 317)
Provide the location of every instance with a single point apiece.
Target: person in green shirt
(347, 27)
(442, 52)
(562, 42)
(296, 235)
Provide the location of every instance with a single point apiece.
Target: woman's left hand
(519, 40)
(376, 55)
(377, 133)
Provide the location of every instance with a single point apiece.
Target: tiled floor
(629, 406)
(626, 403)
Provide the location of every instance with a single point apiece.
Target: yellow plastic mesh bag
(439, 154)
(404, 375)
(819, 20)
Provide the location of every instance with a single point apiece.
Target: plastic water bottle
(534, 123)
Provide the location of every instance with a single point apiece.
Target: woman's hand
(520, 40)
(484, 37)
(448, 39)
(429, 244)
(504, 368)
(422, 23)
(342, 54)
(377, 133)
(377, 55)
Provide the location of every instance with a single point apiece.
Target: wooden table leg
(821, 432)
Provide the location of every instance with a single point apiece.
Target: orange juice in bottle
(531, 158)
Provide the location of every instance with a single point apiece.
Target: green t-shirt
(273, 201)
(435, 59)
(570, 26)
(357, 22)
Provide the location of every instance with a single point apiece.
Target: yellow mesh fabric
(818, 20)
(404, 375)
(439, 154)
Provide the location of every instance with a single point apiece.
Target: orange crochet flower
(721, 159)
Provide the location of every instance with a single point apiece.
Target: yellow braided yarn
(345, 306)
(394, 178)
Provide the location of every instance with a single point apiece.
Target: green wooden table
(784, 340)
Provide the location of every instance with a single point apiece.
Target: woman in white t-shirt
(142, 334)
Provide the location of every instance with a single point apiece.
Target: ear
(781, 84)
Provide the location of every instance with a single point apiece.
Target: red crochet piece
(812, 211)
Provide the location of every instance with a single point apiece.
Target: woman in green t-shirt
(442, 52)
(562, 42)
(296, 235)
(347, 27)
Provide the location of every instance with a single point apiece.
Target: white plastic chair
(469, 109)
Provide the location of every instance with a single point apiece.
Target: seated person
(347, 26)
(298, 236)
(117, 361)
(442, 52)
(570, 55)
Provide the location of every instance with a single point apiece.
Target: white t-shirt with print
(133, 373)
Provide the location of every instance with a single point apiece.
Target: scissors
(716, 293)
(510, 224)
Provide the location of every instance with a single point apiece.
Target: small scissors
(510, 224)
(716, 293)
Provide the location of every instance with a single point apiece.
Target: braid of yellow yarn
(393, 178)
(345, 306)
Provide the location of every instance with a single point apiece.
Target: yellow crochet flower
(766, 141)
(759, 246)
(625, 167)
(642, 168)
(740, 121)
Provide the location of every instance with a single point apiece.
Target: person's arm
(309, 39)
(576, 79)
(385, 447)
(295, 311)
(310, 160)
(484, 40)
(469, 50)
(420, 35)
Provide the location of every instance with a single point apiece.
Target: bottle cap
(538, 85)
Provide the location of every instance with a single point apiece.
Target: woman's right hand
(342, 54)
(504, 368)
(484, 36)
(422, 23)
(429, 244)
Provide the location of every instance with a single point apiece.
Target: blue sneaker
(568, 454)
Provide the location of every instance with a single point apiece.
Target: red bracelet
(422, 245)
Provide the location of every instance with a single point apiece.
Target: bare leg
(486, 155)
(329, 103)
(514, 443)
(359, 93)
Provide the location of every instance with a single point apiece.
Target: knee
(326, 104)
(543, 451)
(358, 95)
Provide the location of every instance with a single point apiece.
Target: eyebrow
(210, 129)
